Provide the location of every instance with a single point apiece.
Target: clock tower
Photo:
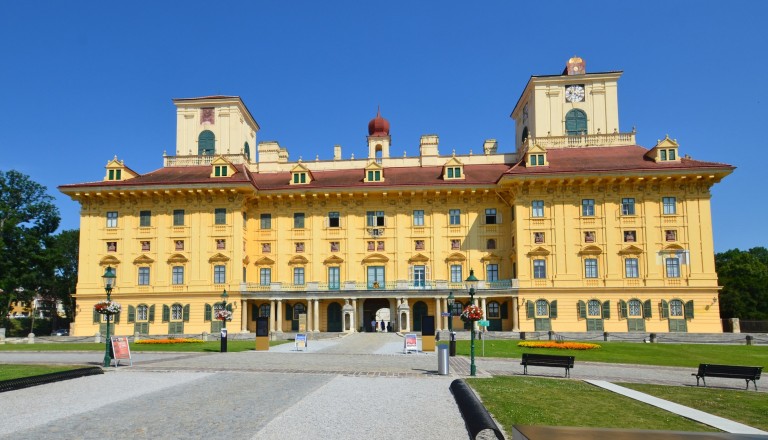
(573, 109)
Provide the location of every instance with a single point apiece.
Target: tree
(28, 217)
(63, 256)
(744, 277)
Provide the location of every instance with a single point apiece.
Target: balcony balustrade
(387, 286)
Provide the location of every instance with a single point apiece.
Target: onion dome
(378, 126)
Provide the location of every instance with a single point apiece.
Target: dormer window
(115, 175)
(664, 151)
(536, 157)
(453, 169)
(220, 171)
(300, 175)
(374, 173)
(299, 178)
(117, 171)
(667, 154)
(221, 167)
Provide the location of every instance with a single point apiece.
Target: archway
(374, 310)
(419, 310)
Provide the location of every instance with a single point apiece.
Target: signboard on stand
(303, 322)
(301, 341)
(121, 349)
(410, 343)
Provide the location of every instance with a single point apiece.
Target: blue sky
(85, 81)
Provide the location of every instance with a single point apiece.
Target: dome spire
(378, 125)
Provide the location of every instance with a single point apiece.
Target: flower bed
(559, 345)
(170, 341)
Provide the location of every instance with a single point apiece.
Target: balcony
(375, 232)
(399, 286)
(585, 140)
(196, 160)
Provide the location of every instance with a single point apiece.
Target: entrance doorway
(376, 309)
(334, 317)
(419, 310)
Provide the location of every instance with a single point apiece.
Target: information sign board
(303, 322)
(483, 323)
(410, 343)
(121, 349)
(301, 341)
(446, 314)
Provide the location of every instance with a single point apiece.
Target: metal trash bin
(442, 360)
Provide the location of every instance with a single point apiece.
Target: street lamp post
(224, 296)
(109, 283)
(471, 283)
(451, 338)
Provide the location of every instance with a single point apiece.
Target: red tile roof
(606, 159)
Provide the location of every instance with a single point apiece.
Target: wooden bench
(547, 360)
(728, 371)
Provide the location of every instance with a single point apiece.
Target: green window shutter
(647, 309)
(607, 310)
(553, 309)
(254, 311)
(166, 313)
(131, 314)
(288, 312)
(152, 313)
(529, 312)
(504, 310)
(664, 309)
(117, 318)
(229, 307)
(96, 317)
(688, 310)
(208, 312)
(185, 313)
(581, 309)
(622, 309)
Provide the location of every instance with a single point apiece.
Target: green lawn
(674, 355)
(232, 346)
(747, 407)
(559, 402)
(13, 371)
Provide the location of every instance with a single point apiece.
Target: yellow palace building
(574, 229)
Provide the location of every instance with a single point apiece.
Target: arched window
(299, 309)
(576, 122)
(542, 308)
(635, 308)
(247, 151)
(206, 143)
(264, 311)
(593, 308)
(177, 312)
(524, 137)
(141, 312)
(457, 308)
(676, 308)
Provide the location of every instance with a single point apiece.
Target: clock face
(574, 93)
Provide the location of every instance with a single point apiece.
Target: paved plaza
(359, 386)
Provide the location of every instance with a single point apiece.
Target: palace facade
(575, 228)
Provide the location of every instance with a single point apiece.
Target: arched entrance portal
(334, 317)
(375, 309)
(419, 310)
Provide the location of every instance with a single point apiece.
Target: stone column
(438, 311)
(316, 317)
(515, 315)
(244, 316)
(272, 316)
(353, 320)
(309, 315)
(483, 306)
(279, 315)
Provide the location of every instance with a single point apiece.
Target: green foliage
(14, 371)
(744, 277)
(558, 402)
(213, 346)
(673, 355)
(19, 327)
(28, 217)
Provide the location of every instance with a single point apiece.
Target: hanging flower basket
(107, 307)
(472, 313)
(223, 315)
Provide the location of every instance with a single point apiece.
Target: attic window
(536, 160)
(115, 175)
(299, 178)
(374, 176)
(668, 154)
(220, 170)
(453, 173)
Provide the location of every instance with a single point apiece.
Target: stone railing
(196, 160)
(584, 140)
(399, 285)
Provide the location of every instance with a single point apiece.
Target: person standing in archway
(382, 325)
(373, 325)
